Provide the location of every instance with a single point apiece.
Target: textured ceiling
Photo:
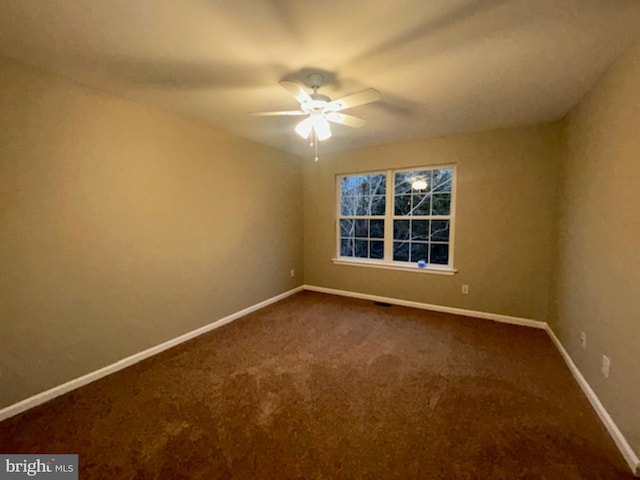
(442, 66)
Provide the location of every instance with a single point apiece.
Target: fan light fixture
(316, 123)
(319, 109)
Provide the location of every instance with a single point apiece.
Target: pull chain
(315, 146)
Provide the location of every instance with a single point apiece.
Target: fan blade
(343, 119)
(295, 89)
(359, 98)
(281, 112)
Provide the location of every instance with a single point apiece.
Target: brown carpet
(324, 387)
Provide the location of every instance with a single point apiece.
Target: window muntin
(398, 217)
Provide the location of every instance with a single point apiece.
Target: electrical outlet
(606, 366)
(583, 340)
(465, 289)
(292, 273)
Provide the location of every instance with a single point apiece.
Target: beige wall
(599, 247)
(122, 227)
(505, 215)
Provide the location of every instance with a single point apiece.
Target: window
(397, 218)
(362, 211)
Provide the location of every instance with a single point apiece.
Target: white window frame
(387, 261)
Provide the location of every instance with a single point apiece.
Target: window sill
(394, 266)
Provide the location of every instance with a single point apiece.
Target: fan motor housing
(318, 103)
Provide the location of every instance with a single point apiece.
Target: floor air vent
(382, 304)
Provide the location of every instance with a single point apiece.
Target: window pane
(419, 252)
(422, 176)
(441, 204)
(358, 185)
(348, 206)
(346, 228)
(378, 205)
(439, 253)
(421, 205)
(376, 228)
(362, 248)
(401, 229)
(378, 184)
(420, 229)
(361, 185)
(346, 247)
(402, 204)
(406, 181)
(401, 251)
(377, 249)
(442, 180)
(362, 228)
(440, 230)
(402, 183)
(355, 185)
(356, 193)
(363, 206)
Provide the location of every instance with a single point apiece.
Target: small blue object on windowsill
(422, 264)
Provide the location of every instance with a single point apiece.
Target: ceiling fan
(320, 109)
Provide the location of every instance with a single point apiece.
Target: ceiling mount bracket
(315, 80)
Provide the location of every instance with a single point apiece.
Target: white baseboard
(56, 391)
(621, 442)
(496, 317)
